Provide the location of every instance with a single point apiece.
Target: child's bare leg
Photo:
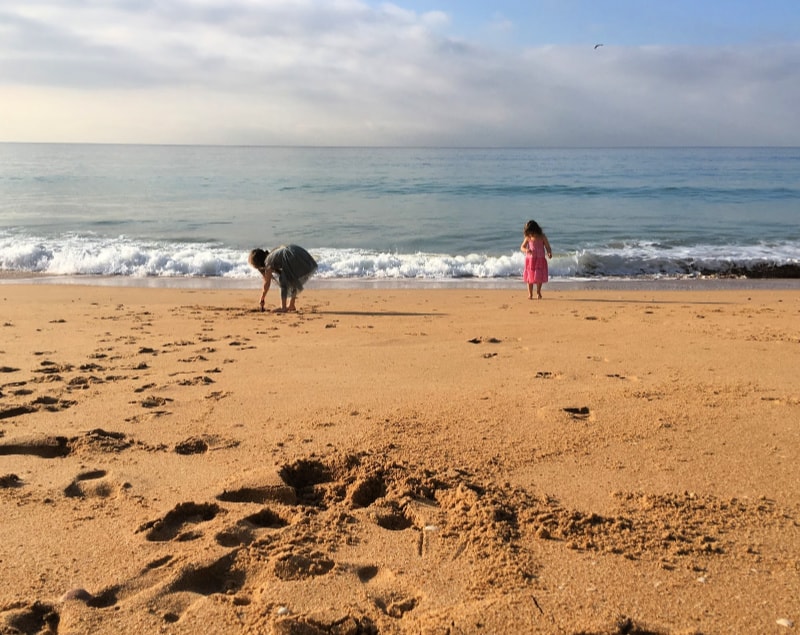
(539, 291)
(530, 291)
(284, 295)
(291, 306)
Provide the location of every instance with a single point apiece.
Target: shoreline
(601, 284)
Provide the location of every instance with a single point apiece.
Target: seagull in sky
(596, 46)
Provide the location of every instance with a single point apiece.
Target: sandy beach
(427, 461)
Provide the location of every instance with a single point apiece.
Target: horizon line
(399, 147)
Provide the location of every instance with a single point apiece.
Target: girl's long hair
(532, 228)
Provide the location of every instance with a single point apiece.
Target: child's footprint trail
(320, 520)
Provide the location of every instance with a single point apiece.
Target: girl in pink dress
(535, 245)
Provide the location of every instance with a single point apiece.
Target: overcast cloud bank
(346, 73)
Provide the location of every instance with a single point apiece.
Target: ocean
(144, 212)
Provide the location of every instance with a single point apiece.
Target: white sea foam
(81, 255)
(357, 263)
(95, 256)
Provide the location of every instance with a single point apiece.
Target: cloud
(500, 24)
(345, 73)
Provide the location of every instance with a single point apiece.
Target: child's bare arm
(267, 282)
(547, 246)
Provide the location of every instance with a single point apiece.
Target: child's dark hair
(258, 258)
(532, 228)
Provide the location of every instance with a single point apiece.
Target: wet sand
(458, 460)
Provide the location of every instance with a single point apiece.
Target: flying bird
(597, 45)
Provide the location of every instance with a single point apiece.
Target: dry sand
(399, 461)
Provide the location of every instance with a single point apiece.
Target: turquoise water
(397, 213)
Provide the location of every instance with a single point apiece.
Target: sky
(455, 73)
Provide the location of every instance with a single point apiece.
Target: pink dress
(535, 263)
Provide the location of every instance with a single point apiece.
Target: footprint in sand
(155, 402)
(91, 367)
(192, 445)
(93, 484)
(366, 573)
(102, 600)
(195, 358)
(200, 380)
(544, 374)
(51, 447)
(53, 404)
(382, 589)
(180, 343)
(177, 595)
(366, 490)
(221, 576)
(38, 617)
(260, 487)
(16, 411)
(314, 626)
(308, 478)
(82, 383)
(248, 529)
(395, 605)
(10, 481)
(266, 519)
(389, 515)
(99, 440)
(581, 412)
(172, 525)
(46, 447)
(49, 367)
(300, 566)
(783, 401)
(479, 340)
(632, 378)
